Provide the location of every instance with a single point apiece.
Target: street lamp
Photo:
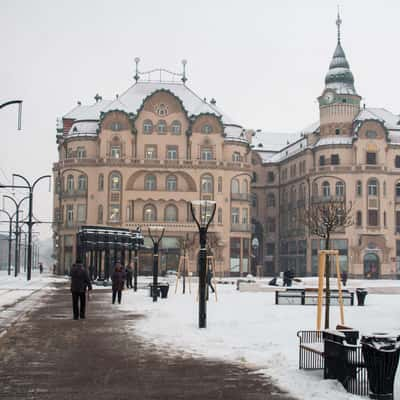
(206, 212)
(10, 217)
(255, 244)
(156, 233)
(138, 242)
(19, 102)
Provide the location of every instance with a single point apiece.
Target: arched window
(235, 186)
(270, 200)
(359, 218)
(245, 187)
(115, 182)
(171, 183)
(207, 184)
(70, 183)
(254, 200)
(101, 183)
(82, 183)
(149, 213)
(171, 213)
(147, 127)
(150, 182)
(220, 215)
(176, 127)
(100, 214)
(206, 128)
(340, 189)
(397, 162)
(398, 189)
(115, 148)
(162, 127)
(373, 187)
(359, 188)
(236, 156)
(326, 189)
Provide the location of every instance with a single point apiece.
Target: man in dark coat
(129, 275)
(118, 280)
(79, 282)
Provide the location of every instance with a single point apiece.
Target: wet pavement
(47, 355)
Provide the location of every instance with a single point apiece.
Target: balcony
(67, 194)
(241, 228)
(327, 199)
(241, 196)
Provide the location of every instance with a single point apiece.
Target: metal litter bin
(155, 288)
(164, 287)
(381, 356)
(361, 295)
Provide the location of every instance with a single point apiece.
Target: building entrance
(371, 266)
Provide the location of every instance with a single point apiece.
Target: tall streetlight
(156, 233)
(17, 205)
(9, 103)
(30, 215)
(10, 217)
(206, 212)
(138, 242)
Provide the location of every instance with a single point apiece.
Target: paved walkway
(47, 355)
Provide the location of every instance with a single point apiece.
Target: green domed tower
(339, 102)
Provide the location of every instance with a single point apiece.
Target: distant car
(171, 272)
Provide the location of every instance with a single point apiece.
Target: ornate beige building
(351, 153)
(140, 159)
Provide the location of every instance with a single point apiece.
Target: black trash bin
(164, 287)
(361, 295)
(381, 355)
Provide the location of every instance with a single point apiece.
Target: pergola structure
(100, 247)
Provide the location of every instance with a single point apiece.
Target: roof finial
(338, 23)
(184, 78)
(137, 77)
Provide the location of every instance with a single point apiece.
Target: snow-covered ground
(247, 327)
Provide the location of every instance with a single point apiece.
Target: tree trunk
(327, 286)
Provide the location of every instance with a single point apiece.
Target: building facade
(351, 154)
(140, 159)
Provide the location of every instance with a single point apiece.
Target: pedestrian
(129, 275)
(344, 278)
(41, 267)
(118, 279)
(79, 282)
(209, 279)
(54, 269)
(286, 278)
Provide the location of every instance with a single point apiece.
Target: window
(254, 200)
(271, 226)
(70, 153)
(207, 184)
(373, 217)
(384, 219)
(340, 189)
(116, 126)
(220, 184)
(115, 151)
(371, 158)
(220, 215)
(398, 223)
(70, 215)
(270, 249)
(115, 181)
(359, 188)
(100, 214)
(254, 177)
(236, 156)
(326, 189)
(337, 130)
(70, 183)
(150, 182)
(81, 213)
(171, 183)
(171, 213)
(245, 187)
(321, 160)
(397, 162)
(149, 213)
(270, 176)
(235, 188)
(206, 128)
(101, 183)
(335, 159)
(147, 127)
(162, 127)
(372, 187)
(176, 128)
(114, 215)
(235, 216)
(82, 183)
(245, 216)
(371, 134)
(359, 218)
(398, 189)
(80, 152)
(206, 154)
(172, 152)
(150, 152)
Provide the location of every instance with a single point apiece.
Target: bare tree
(323, 219)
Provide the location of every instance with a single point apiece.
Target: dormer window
(116, 126)
(236, 156)
(162, 127)
(371, 134)
(116, 151)
(207, 128)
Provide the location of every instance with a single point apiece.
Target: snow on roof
(266, 156)
(394, 137)
(236, 133)
(311, 128)
(290, 150)
(83, 127)
(274, 141)
(334, 140)
(88, 112)
(390, 120)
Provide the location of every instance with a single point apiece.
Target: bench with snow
(309, 296)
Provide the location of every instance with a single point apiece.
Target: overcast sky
(263, 61)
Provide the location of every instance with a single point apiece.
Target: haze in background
(263, 61)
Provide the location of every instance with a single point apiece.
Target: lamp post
(206, 211)
(30, 215)
(136, 246)
(10, 217)
(9, 103)
(156, 233)
(255, 244)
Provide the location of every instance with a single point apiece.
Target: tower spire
(338, 23)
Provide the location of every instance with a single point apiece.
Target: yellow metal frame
(183, 261)
(321, 273)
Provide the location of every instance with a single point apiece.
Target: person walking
(129, 275)
(209, 279)
(79, 282)
(118, 280)
(41, 268)
(344, 278)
